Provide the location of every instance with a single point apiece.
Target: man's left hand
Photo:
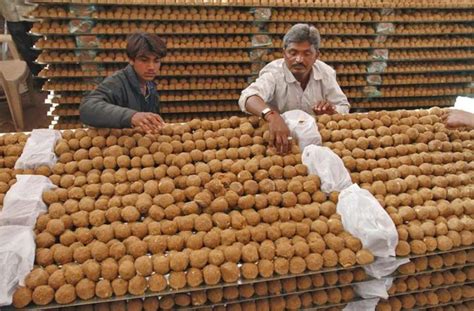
(324, 107)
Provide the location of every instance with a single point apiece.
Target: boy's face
(146, 66)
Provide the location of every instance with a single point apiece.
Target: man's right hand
(279, 133)
(148, 122)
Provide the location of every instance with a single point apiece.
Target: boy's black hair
(141, 43)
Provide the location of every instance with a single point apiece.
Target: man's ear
(131, 61)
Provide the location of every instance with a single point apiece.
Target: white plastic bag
(17, 255)
(363, 217)
(39, 149)
(374, 288)
(303, 127)
(23, 202)
(362, 305)
(383, 266)
(323, 162)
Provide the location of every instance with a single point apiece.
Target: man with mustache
(297, 81)
(129, 97)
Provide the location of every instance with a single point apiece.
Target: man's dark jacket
(113, 103)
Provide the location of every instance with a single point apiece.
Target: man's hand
(148, 122)
(458, 118)
(324, 107)
(279, 133)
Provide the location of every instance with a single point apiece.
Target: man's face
(146, 66)
(300, 57)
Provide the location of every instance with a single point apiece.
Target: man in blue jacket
(129, 97)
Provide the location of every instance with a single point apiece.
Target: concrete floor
(34, 110)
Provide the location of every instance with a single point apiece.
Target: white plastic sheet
(374, 288)
(15, 261)
(39, 149)
(323, 162)
(303, 127)
(24, 201)
(363, 216)
(383, 266)
(362, 305)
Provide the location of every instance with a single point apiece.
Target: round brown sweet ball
(91, 270)
(179, 261)
(36, 277)
(444, 243)
(55, 227)
(85, 289)
(137, 285)
(198, 258)
(249, 271)
(56, 279)
(211, 274)
(62, 254)
(65, 294)
(157, 282)
(249, 253)
(266, 250)
(232, 253)
(334, 242)
(42, 295)
(347, 258)
(22, 297)
(230, 272)
(176, 243)
(297, 265)
(103, 289)
(265, 268)
(73, 273)
(127, 269)
(44, 257)
(99, 250)
(330, 258)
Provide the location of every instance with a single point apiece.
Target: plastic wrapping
(380, 54)
(364, 217)
(263, 14)
(15, 262)
(373, 288)
(385, 28)
(371, 91)
(39, 149)
(384, 266)
(380, 38)
(80, 26)
(86, 55)
(323, 162)
(374, 79)
(376, 67)
(261, 40)
(302, 127)
(362, 305)
(82, 10)
(257, 54)
(87, 41)
(23, 203)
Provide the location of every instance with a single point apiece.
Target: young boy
(129, 98)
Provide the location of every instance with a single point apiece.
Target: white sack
(323, 162)
(362, 305)
(383, 266)
(39, 149)
(303, 127)
(17, 255)
(363, 217)
(23, 202)
(374, 288)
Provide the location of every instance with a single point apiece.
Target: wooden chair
(12, 74)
